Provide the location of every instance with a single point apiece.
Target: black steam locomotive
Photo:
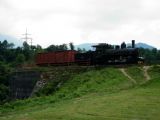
(106, 54)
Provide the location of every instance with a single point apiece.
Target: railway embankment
(44, 81)
(25, 83)
(105, 93)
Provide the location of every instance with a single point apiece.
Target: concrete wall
(22, 83)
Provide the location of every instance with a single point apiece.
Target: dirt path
(146, 75)
(128, 76)
(144, 69)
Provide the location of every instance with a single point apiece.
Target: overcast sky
(82, 21)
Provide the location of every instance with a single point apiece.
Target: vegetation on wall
(4, 82)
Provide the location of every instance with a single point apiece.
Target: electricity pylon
(26, 38)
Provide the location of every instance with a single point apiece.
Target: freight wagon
(56, 58)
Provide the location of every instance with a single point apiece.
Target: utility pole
(26, 38)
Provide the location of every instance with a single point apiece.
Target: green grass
(154, 71)
(95, 95)
(136, 73)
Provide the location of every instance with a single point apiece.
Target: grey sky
(79, 21)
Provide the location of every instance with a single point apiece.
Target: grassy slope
(99, 94)
(136, 73)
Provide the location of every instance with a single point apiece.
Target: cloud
(62, 21)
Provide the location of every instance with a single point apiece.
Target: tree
(158, 56)
(62, 47)
(4, 44)
(2, 58)
(20, 59)
(4, 81)
(154, 51)
(79, 50)
(38, 49)
(56, 48)
(26, 46)
(123, 45)
(27, 51)
(71, 46)
(83, 50)
(51, 48)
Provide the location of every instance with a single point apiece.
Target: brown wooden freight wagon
(56, 58)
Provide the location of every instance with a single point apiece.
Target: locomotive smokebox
(133, 43)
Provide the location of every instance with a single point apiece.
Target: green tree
(20, 59)
(26, 46)
(28, 53)
(51, 48)
(79, 50)
(83, 50)
(4, 81)
(123, 45)
(5, 44)
(63, 47)
(71, 46)
(38, 49)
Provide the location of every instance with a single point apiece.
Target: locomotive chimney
(133, 43)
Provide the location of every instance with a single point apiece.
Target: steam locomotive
(104, 54)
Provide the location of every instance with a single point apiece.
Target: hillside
(144, 45)
(99, 94)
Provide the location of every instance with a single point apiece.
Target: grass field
(105, 94)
